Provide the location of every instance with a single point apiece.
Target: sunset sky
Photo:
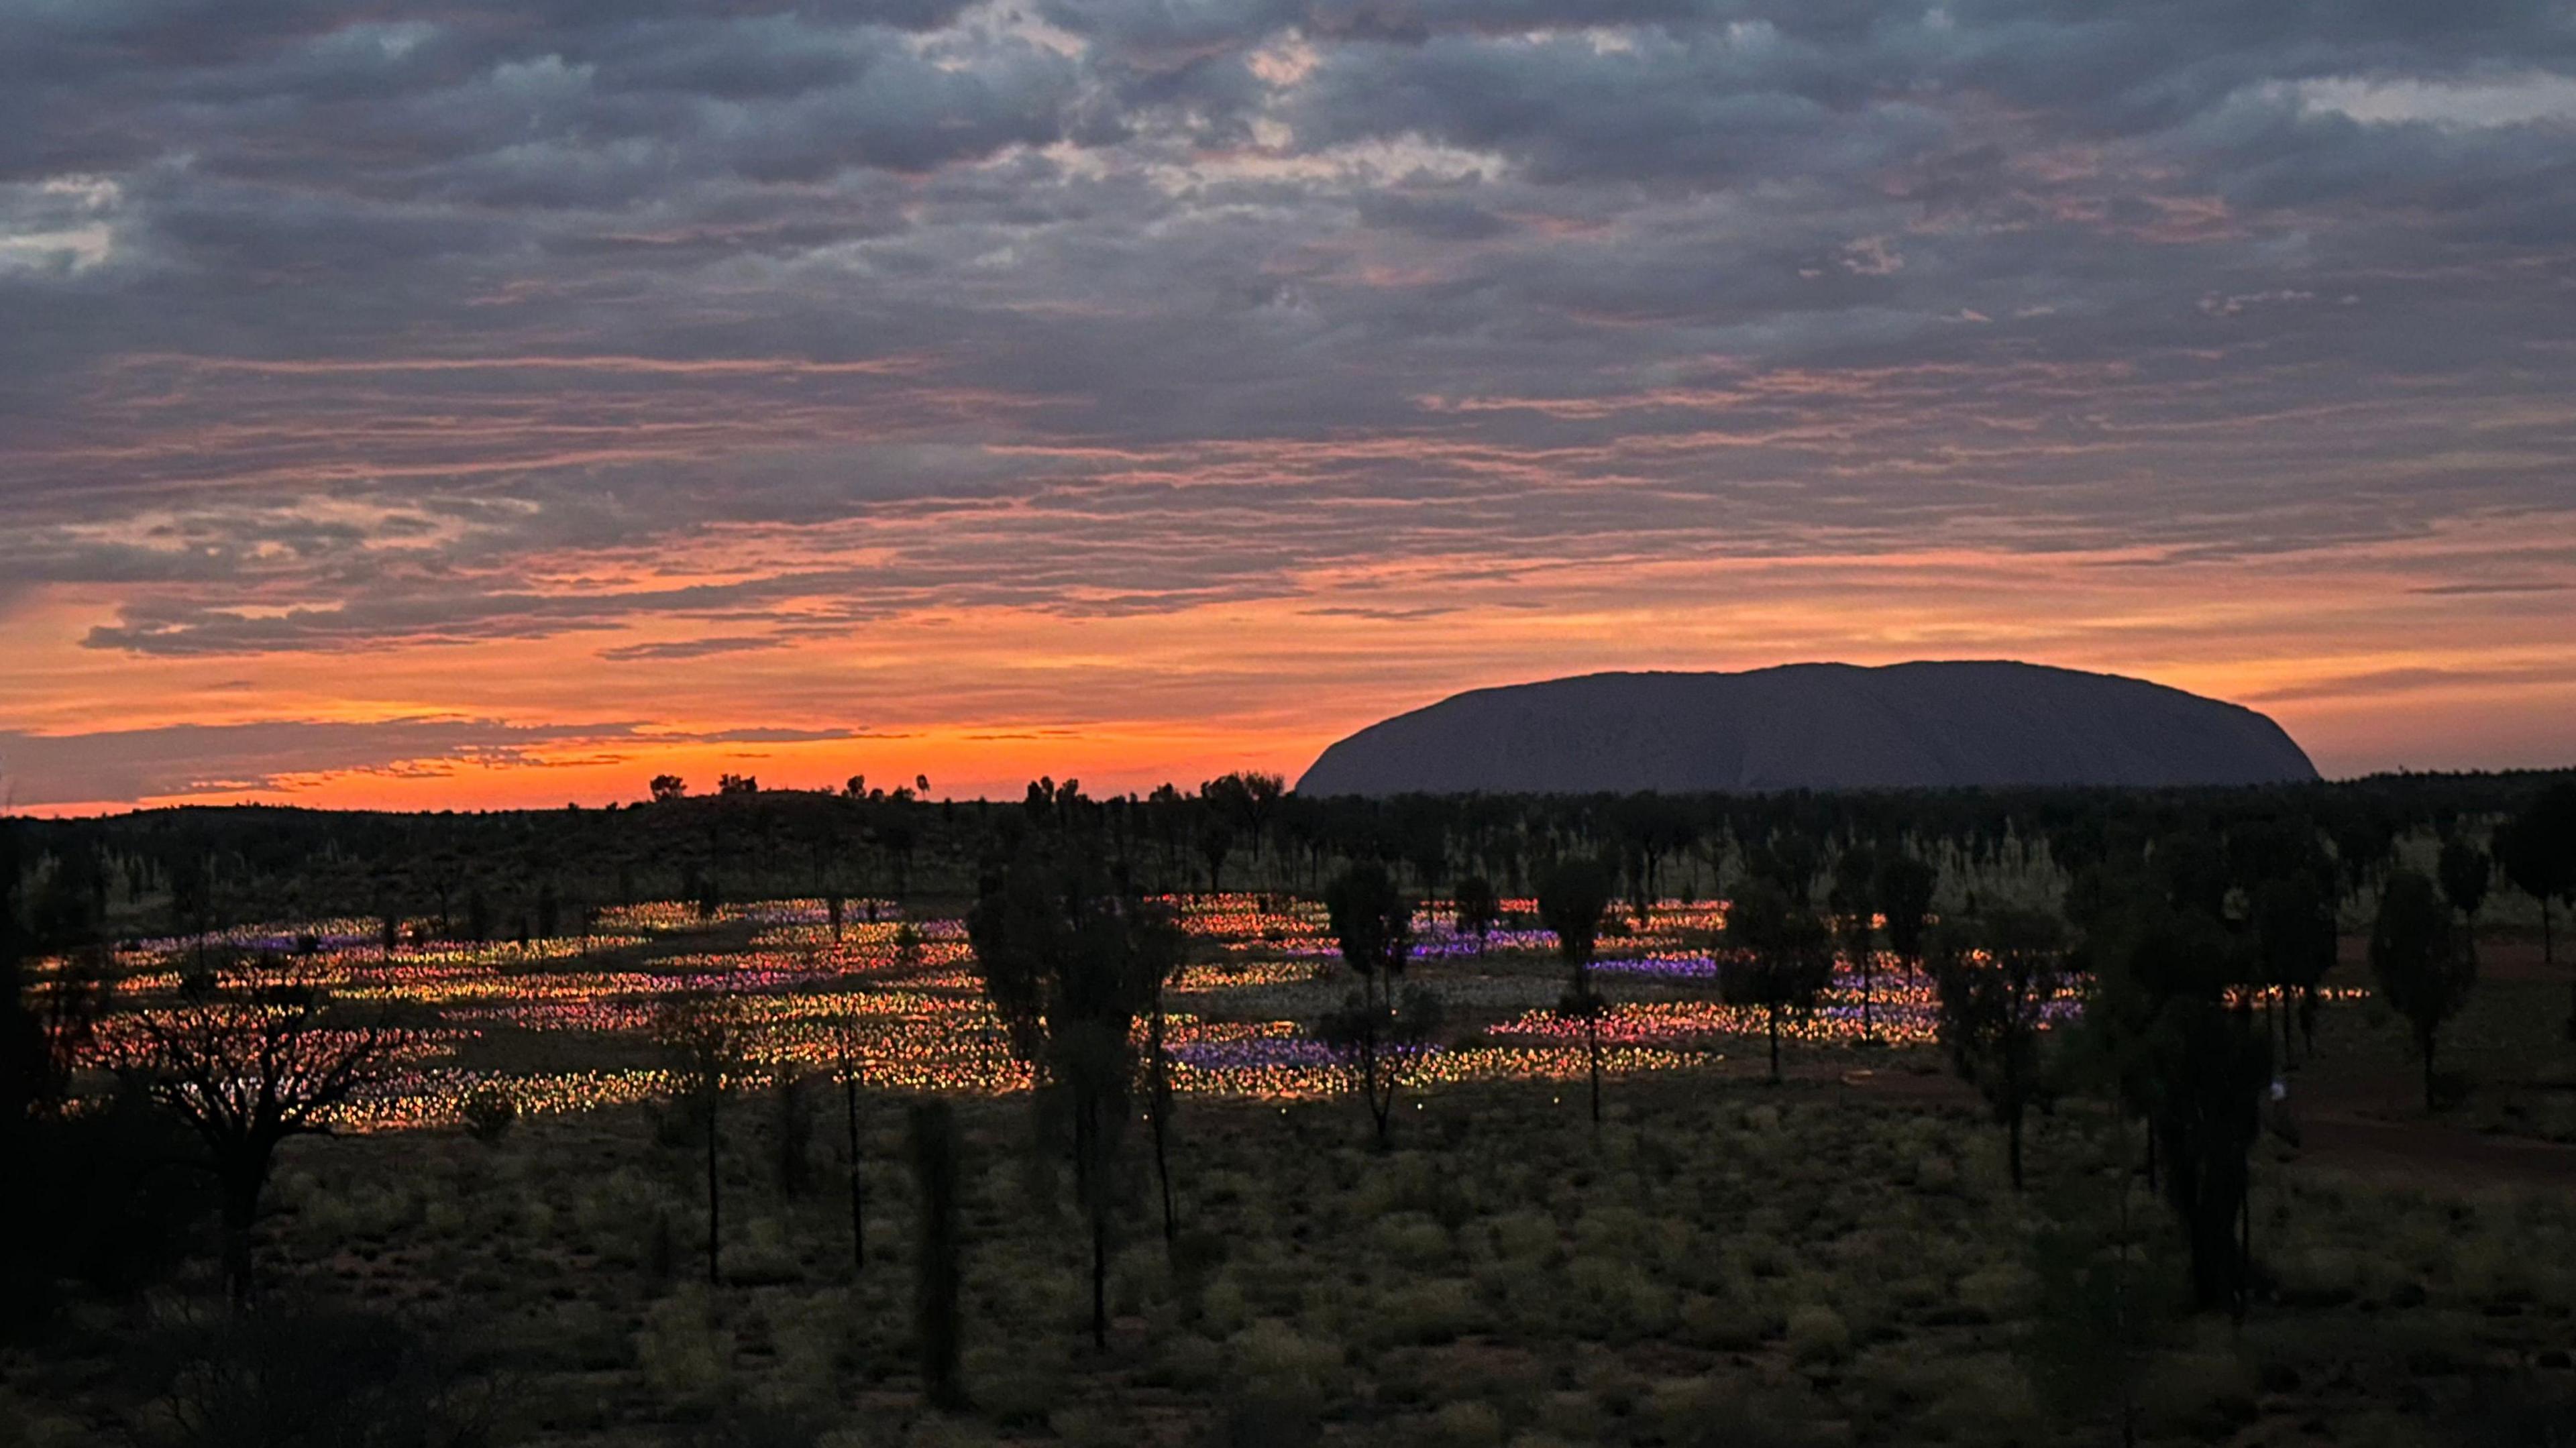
(458, 405)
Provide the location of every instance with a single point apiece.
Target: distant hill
(1813, 726)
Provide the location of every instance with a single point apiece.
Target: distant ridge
(1813, 726)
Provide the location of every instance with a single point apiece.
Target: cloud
(185, 759)
(676, 649)
(2382, 682)
(686, 334)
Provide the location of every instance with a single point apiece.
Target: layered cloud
(471, 361)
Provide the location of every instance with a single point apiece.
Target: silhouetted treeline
(511, 873)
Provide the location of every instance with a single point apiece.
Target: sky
(465, 405)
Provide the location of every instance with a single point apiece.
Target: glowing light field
(567, 1023)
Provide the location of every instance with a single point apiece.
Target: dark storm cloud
(333, 329)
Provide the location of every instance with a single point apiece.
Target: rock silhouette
(1813, 726)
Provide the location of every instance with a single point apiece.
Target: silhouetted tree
(793, 1123)
(2537, 851)
(1244, 803)
(936, 1324)
(1161, 952)
(1571, 900)
(1903, 891)
(1787, 862)
(2188, 1061)
(2294, 943)
(1069, 964)
(1780, 958)
(1477, 909)
(856, 1156)
(1215, 842)
(2466, 875)
(1997, 975)
(1373, 922)
(1855, 904)
(245, 1067)
(706, 1037)
(668, 787)
(2416, 955)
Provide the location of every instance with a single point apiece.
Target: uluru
(1928, 725)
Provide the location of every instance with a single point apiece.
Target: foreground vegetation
(2149, 1123)
(1719, 1262)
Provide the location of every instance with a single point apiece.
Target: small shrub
(1572, 1416)
(1222, 1307)
(1016, 1389)
(1413, 1239)
(1818, 1335)
(764, 1256)
(1467, 1425)
(1272, 1416)
(1088, 1427)
(1272, 1353)
(1724, 1323)
(1989, 1401)
(2000, 1293)
(490, 1111)
(2315, 1276)
(1190, 1362)
(683, 1359)
(1524, 1236)
(1428, 1312)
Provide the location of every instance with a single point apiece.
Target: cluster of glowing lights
(898, 1002)
(666, 917)
(436, 1098)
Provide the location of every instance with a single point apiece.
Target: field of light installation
(567, 1023)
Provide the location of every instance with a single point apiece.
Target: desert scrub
(2203, 1392)
(686, 1358)
(1573, 1416)
(1622, 1299)
(1272, 1354)
(1816, 1334)
(763, 1256)
(1434, 1311)
(1189, 1362)
(360, 1211)
(1413, 1240)
(1467, 1425)
(1999, 1293)
(809, 1333)
(1085, 1426)
(1017, 1387)
(1524, 1236)
(1223, 1309)
(1987, 1400)
(615, 1215)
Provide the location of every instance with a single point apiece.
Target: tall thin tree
(1572, 898)
(1069, 963)
(1373, 922)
